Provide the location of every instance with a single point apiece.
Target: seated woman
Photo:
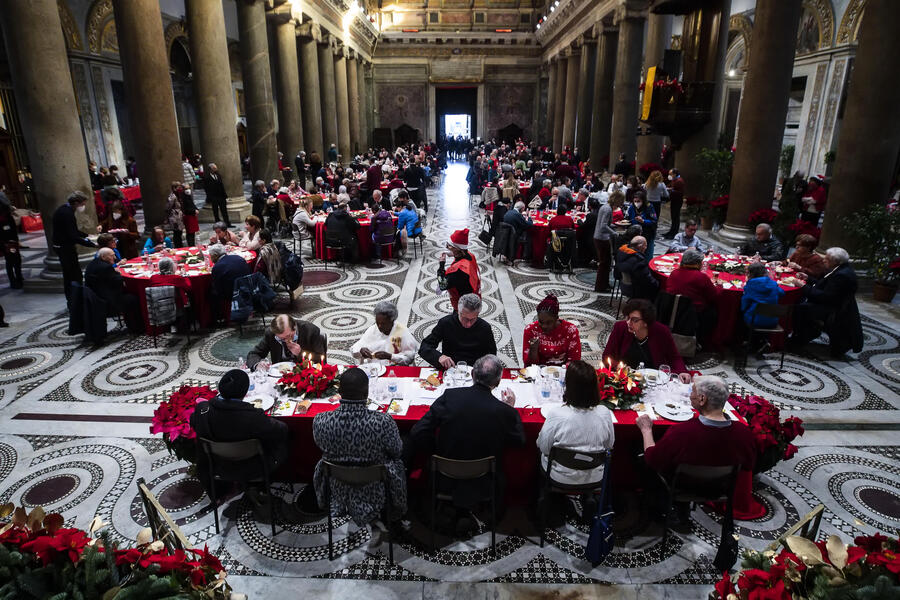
(805, 259)
(250, 235)
(550, 340)
(118, 220)
(167, 276)
(387, 341)
(268, 261)
(303, 225)
(640, 212)
(562, 220)
(639, 338)
(581, 423)
(383, 230)
(759, 289)
(689, 281)
(223, 235)
(157, 241)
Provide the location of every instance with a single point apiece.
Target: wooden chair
(162, 525)
(462, 470)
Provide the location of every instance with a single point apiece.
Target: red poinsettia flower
(888, 559)
(65, 541)
(790, 451)
(855, 554)
(15, 535)
(128, 557)
(787, 559)
(208, 560)
(751, 579)
(166, 562)
(724, 586)
(872, 543)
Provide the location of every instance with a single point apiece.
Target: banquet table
(540, 232)
(131, 193)
(731, 289)
(364, 234)
(137, 278)
(520, 464)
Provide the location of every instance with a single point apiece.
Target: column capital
(602, 28)
(628, 11)
(573, 50)
(352, 54)
(325, 38)
(338, 49)
(310, 30)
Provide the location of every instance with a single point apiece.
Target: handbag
(686, 344)
(485, 237)
(602, 539)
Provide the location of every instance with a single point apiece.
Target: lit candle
(609, 362)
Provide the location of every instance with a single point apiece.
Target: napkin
(283, 408)
(648, 410)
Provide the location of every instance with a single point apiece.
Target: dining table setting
(364, 218)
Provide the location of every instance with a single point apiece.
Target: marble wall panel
(402, 103)
(510, 103)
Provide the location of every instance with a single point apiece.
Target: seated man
(386, 341)
(352, 435)
(288, 339)
(470, 423)
(227, 418)
(687, 239)
(630, 260)
(765, 244)
(103, 279)
(830, 305)
(226, 269)
(463, 336)
(341, 225)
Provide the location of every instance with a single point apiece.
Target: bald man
(103, 279)
(631, 260)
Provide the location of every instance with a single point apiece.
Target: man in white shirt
(387, 341)
(687, 239)
(615, 184)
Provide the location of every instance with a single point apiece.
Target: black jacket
(837, 291)
(300, 164)
(642, 280)
(309, 338)
(414, 176)
(105, 281)
(457, 342)
(771, 249)
(341, 224)
(65, 229)
(225, 271)
(214, 186)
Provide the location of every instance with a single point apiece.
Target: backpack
(292, 267)
(602, 538)
(251, 292)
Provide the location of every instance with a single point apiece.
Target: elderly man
(300, 164)
(518, 220)
(379, 201)
(215, 193)
(387, 341)
(830, 305)
(354, 435)
(103, 279)
(463, 336)
(226, 269)
(167, 276)
(289, 340)
(631, 261)
(687, 239)
(462, 276)
(765, 244)
(470, 423)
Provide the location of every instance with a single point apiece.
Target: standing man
(300, 163)
(66, 235)
(215, 194)
(462, 276)
(676, 199)
(414, 177)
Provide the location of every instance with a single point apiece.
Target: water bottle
(147, 259)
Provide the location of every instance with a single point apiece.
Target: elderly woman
(640, 339)
(157, 241)
(303, 225)
(805, 259)
(250, 235)
(387, 341)
(118, 220)
(688, 280)
(550, 340)
(167, 276)
(269, 260)
(223, 235)
(175, 213)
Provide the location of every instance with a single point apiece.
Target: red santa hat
(460, 239)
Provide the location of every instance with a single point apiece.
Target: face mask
(116, 216)
(81, 208)
(187, 192)
(671, 178)
(638, 204)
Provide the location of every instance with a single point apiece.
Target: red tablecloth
(540, 233)
(200, 287)
(365, 241)
(130, 194)
(728, 301)
(520, 464)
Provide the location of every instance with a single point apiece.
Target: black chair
(235, 451)
(464, 470)
(385, 231)
(298, 241)
(778, 311)
(577, 460)
(626, 288)
(699, 483)
(336, 243)
(357, 477)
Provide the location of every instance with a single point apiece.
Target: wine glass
(665, 374)
(462, 370)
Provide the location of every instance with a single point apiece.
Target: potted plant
(786, 160)
(828, 159)
(715, 166)
(876, 230)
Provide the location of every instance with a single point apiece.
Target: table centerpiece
(620, 387)
(316, 380)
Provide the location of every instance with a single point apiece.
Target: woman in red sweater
(640, 339)
(689, 281)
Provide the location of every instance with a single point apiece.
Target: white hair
(520, 206)
(387, 308)
(216, 251)
(167, 266)
(713, 388)
(838, 255)
(487, 370)
(470, 302)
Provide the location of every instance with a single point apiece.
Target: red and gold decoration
(620, 387)
(308, 378)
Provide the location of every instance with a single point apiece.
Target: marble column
(287, 88)
(763, 111)
(257, 75)
(343, 104)
(601, 120)
(659, 30)
(551, 104)
(559, 103)
(308, 34)
(213, 95)
(353, 97)
(151, 106)
(327, 92)
(364, 127)
(626, 92)
(48, 113)
(570, 97)
(585, 95)
(870, 134)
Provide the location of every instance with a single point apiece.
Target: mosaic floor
(74, 438)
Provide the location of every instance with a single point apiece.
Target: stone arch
(737, 55)
(176, 32)
(849, 27)
(69, 27)
(101, 28)
(742, 25)
(823, 14)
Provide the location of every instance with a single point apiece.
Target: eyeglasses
(633, 320)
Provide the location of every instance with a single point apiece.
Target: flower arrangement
(800, 227)
(773, 436)
(733, 267)
(763, 215)
(647, 168)
(818, 571)
(620, 388)
(39, 558)
(719, 208)
(315, 380)
(672, 85)
(172, 419)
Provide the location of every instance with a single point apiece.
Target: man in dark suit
(342, 225)
(226, 268)
(65, 237)
(215, 193)
(289, 339)
(103, 279)
(467, 424)
(414, 178)
(300, 163)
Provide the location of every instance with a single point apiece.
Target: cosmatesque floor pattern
(74, 437)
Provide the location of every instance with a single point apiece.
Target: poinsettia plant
(799, 227)
(647, 168)
(620, 387)
(172, 419)
(719, 208)
(315, 380)
(763, 215)
(773, 436)
(823, 570)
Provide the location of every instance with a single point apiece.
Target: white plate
(545, 409)
(552, 371)
(373, 369)
(651, 376)
(679, 413)
(279, 369)
(264, 402)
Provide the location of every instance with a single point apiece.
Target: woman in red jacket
(641, 339)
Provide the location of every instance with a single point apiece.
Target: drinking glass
(665, 374)
(462, 370)
(392, 388)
